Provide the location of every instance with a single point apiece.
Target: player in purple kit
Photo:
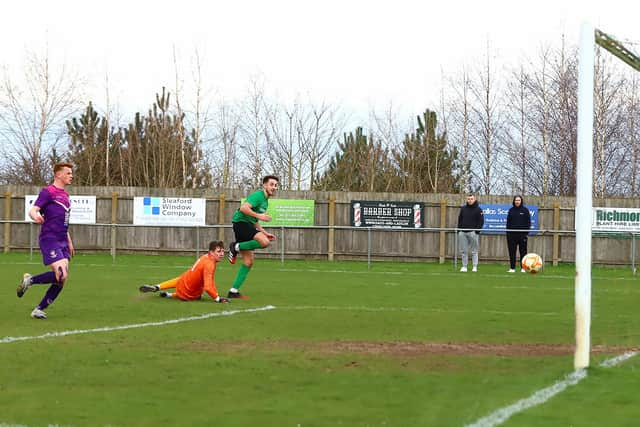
(51, 209)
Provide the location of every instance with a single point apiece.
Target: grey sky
(361, 54)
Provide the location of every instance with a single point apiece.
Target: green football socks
(249, 246)
(241, 276)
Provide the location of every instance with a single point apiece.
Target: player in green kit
(249, 233)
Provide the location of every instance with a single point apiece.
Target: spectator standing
(518, 218)
(470, 222)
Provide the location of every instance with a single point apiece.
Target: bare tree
(319, 130)
(253, 128)
(114, 138)
(201, 107)
(609, 109)
(180, 117)
(459, 126)
(487, 120)
(632, 131)
(518, 143)
(283, 139)
(32, 117)
(386, 137)
(539, 86)
(224, 155)
(386, 127)
(564, 121)
(107, 120)
(443, 111)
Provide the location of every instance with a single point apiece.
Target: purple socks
(52, 293)
(48, 277)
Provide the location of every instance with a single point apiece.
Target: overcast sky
(361, 54)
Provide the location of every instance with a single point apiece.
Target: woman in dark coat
(518, 218)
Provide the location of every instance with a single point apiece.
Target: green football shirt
(259, 204)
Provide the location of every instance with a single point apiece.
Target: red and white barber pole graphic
(386, 214)
(356, 214)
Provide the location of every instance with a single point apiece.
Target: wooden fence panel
(403, 244)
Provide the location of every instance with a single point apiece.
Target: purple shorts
(54, 251)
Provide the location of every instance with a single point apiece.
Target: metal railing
(113, 248)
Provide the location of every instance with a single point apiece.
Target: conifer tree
(360, 165)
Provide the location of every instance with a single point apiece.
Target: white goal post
(589, 36)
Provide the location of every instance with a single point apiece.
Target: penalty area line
(7, 340)
(541, 396)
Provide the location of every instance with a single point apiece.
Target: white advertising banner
(169, 211)
(83, 209)
(616, 219)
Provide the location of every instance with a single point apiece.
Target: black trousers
(515, 241)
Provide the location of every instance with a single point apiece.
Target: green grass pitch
(402, 344)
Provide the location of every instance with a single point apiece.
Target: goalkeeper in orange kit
(200, 277)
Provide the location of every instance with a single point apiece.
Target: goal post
(584, 195)
(589, 36)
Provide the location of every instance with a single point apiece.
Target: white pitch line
(541, 396)
(427, 310)
(537, 398)
(22, 425)
(7, 340)
(618, 359)
(541, 276)
(347, 308)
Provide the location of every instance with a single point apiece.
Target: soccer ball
(532, 263)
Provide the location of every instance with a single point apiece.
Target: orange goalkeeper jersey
(198, 278)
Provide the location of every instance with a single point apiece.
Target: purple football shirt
(55, 207)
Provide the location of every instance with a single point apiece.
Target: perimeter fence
(332, 237)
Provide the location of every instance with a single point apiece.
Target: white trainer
(38, 314)
(474, 269)
(22, 287)
(463, 270)
(511, 270)
(522, 270)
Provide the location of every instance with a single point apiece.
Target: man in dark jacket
(518, 218)
(470, 221)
